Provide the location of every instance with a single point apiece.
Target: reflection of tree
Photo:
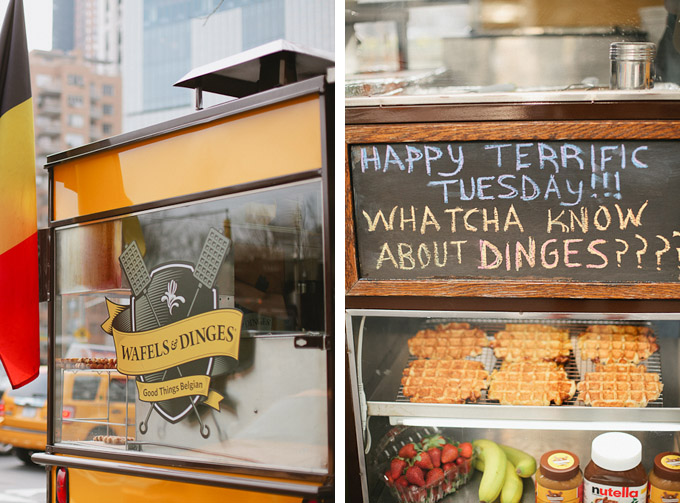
(276, 245)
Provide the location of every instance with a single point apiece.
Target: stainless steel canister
(632, 65)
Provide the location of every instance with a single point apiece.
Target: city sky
(38, 15)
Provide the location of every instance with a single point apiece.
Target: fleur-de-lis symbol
(170, 298)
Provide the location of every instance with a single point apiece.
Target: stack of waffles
(444, 381)
(619, 385)
(532, 371)
(531, 383)
(441, 374)
(617, 343)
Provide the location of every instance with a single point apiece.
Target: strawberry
(388, 477)
(434, 476)
(397, 468)
(408, 451)
(423, 461)
(435, 456)
(449, 453)
(415, 476)
(433, 441)
(401, 482)
(465, 449)
(448, 467)
(463, 464)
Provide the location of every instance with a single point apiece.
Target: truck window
(85, 387)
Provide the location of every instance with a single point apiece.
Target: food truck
(512, 235)
(193, 261)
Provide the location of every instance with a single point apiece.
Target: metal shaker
(632, 65)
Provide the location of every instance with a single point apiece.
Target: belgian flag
(19, 316)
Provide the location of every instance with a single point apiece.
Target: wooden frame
(498, 130)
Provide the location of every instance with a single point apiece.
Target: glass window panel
(257, 408)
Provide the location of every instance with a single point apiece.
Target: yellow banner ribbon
(214, 333)
(180, 387)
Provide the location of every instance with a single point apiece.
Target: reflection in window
(495, 46)
(274, 394)
(118, 389)
(85, 387)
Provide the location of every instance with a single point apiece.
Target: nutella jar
(615, 472)
(559, 478)
(664, 479)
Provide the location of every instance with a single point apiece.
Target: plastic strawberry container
(389, 448)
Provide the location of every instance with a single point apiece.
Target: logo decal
(174, 347)
(170, 298)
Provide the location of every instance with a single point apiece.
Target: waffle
(531, 383)
(533, 327)
(444, 381)
(620, 385)
(532, 342)
(617, 343)
(454, 325)
(446, 342)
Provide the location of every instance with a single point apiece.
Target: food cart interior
(434, 71)
(497, 50)
(379, 340)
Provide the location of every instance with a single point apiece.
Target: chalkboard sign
(587, 211)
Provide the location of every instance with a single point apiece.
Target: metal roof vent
(265, 67)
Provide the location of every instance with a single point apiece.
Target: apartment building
(73, 105)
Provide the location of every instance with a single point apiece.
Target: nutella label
(544, 495)
(657, 495)
(598, 493)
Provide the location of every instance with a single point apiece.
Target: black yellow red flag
(19, 316)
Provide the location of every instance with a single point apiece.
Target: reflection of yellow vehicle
(95, 404)
(23, 414)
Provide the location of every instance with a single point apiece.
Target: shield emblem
(169, 294)
(168, 299)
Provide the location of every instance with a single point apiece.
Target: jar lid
(632, 51)
(616, 451)
(667, 465)
(559, 465)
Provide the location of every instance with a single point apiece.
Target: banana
(513, 485)
(524, 463)
(495, 467)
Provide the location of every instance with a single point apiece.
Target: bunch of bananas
(503, 468)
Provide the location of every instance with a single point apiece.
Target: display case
(190, 295)
(499, 182)
(400, 393)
